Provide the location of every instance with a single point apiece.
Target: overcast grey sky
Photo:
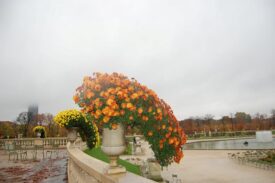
(200, 56)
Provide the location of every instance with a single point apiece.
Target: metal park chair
(21, 151)
(11, 151)
(54, 149)
(38, 145)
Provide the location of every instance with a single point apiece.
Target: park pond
(237, 144)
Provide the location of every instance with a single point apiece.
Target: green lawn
(98, 154)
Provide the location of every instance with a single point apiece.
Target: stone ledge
(96, 169)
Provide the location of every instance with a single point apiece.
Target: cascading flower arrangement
(40, 129)
(74, 118)
(110, 99)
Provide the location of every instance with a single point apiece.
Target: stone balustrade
(61, 141)
(83, 168)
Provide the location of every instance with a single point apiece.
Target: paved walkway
(210, 166)
(45, 170)
(214, 167)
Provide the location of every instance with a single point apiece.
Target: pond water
(231, 144)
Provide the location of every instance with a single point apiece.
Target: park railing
(47, 142)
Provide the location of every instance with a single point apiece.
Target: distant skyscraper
(33, 111)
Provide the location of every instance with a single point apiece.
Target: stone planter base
(114, 168)
(72, 134)
(38, 134)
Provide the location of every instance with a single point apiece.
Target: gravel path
(213, 166)
(45, 170)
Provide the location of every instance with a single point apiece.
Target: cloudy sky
(202, 57)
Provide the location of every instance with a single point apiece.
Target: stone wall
(83, 168)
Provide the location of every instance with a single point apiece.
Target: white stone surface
(114, 151)
(264, 136)
(213, 166)
(83, 168)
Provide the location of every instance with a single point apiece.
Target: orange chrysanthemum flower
(110, 99)
(140, 110)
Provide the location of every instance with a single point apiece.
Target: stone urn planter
(113, 144)
(38, 134)
(72, 134)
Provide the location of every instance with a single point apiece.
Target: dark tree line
(25, 123)
(239, 121)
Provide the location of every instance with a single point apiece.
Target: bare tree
(232, 121)
(24, 119)
(208, 118)
(272, 118)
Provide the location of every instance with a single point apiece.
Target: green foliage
(74, 118)
(270, 158)
(7, 129)
(242, 116)
(164, 155)
(40, 129)
(128, 150)
(110, 99)
(98, 154)
(87, 132)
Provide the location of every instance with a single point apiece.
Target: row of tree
(25, 123)
(239, 121)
